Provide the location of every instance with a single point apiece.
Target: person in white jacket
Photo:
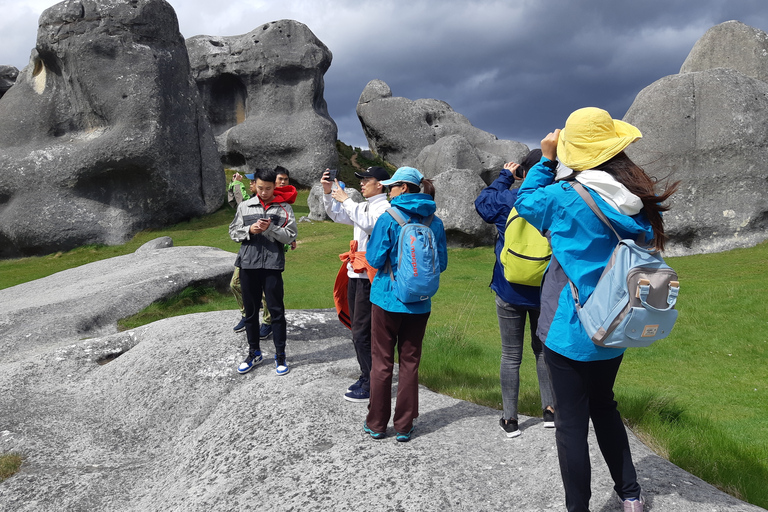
(362, 216)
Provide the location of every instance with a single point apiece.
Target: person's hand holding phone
(327, 180)
(515, 169)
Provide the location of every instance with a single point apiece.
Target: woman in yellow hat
(582, 373)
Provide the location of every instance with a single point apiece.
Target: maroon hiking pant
(406, 332)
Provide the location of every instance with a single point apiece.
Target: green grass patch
(10, 463)
(698, 398)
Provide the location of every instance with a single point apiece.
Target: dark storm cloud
(513, 68)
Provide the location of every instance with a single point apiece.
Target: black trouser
(359, 299)
(584, 390)
(254, 282)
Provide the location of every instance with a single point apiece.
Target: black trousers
(254, 282)
(584, 390)
(359, 300)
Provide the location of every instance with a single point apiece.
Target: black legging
(270, 282)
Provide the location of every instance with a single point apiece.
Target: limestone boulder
(707, 129)
(8, 75)
(731, 45)
(263, 93)
(400, 130)
(455, 193)
(103, 134)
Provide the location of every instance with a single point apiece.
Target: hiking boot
(265, 331)
(375, 435)
(549, 418)
(240, 327)
(252, 360)
(632, 504)
(510, 427)
(281, 366)
(358, 395)
(404, 438)
(357, 385)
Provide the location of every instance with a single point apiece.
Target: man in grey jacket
(264, 225)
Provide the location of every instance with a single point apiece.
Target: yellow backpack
(526, 252)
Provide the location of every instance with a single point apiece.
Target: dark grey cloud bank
(515, 68)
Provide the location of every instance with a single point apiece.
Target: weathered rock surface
(8, 75)
(88, 300)
(707, 129)
(455, 193)
(140, 434)
(407, 132)
(732, 45)
(103, 134)
(263, 92)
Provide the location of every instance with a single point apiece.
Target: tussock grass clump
(10, 463)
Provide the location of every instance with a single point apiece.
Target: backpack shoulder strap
(578, 187)
(399, 217)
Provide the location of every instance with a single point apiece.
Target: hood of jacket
(415, 204)
(613, 192)
(286, 194)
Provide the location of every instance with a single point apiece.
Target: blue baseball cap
(250, 176)
(405, 175)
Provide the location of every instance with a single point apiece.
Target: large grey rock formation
(407, 132)
(455, 193)
(168, 424)
(103, 134)
(8, 75)
(87, 301)
(732, 45)
(707, 129)
(263, 92)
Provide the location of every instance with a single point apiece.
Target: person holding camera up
(583, 373)
(353, 284)
(514, 301)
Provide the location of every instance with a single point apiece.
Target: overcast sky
(514, 68)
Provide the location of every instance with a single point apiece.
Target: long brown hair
(643, 186)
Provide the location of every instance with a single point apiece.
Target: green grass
(699, 398)
(9, 464)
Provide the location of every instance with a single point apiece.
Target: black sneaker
(357, 395)
(549, 418)
(250, 362)
(265, 331)
(281, 366)
(240, 327)
(510, 427)
(356, 385)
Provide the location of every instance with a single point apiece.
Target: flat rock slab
(170, 425)
(88, 300)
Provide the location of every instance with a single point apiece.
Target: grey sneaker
(632, 504)
(510, 427)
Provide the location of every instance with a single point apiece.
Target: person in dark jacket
(263, 225)
(513, 302)
(582, 373)
(396, 324)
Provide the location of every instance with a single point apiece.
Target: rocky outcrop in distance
(429, 135)
(263, 92)
(8, 75)
(103, 134)
(706, 127)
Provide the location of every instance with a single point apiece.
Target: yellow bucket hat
(591, 137)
